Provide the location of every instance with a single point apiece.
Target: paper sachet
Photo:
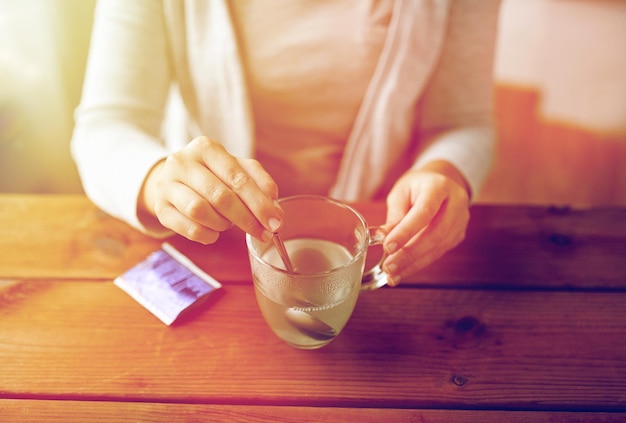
(167, 283)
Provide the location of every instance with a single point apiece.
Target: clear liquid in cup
(309, 309)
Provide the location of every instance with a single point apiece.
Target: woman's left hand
(427, 215)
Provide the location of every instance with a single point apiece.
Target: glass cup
(327, 242)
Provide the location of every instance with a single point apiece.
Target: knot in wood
(459, 380)
(466, 324)
(560, 240)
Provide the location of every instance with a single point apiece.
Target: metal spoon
(301, 320)
(309, 324)
(282, 252)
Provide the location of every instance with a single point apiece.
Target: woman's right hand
(202, 190)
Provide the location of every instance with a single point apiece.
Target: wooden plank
(27, 411)
(64, 236)
(537, 247)
(404, 347)
(67, 237)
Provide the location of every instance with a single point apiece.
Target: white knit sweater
(430, 96)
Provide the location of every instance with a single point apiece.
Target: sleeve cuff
(470, 150)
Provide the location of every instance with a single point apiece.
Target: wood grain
(523, 321)
(64, 236)
(537, 247)
(505, 246)
(27, 411)
(416, 348)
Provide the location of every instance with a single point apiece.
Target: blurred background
(560, 98)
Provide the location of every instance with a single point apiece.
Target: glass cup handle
(375, 277)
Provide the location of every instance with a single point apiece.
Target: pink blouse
(303, 114)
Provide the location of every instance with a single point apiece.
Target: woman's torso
(308, 64)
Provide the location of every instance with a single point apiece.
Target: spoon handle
(282, 252)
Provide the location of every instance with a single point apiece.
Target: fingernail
(393, 280)
(273, 224)
(267, 236)
(391, 268)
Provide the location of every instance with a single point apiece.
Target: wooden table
(526, 320)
